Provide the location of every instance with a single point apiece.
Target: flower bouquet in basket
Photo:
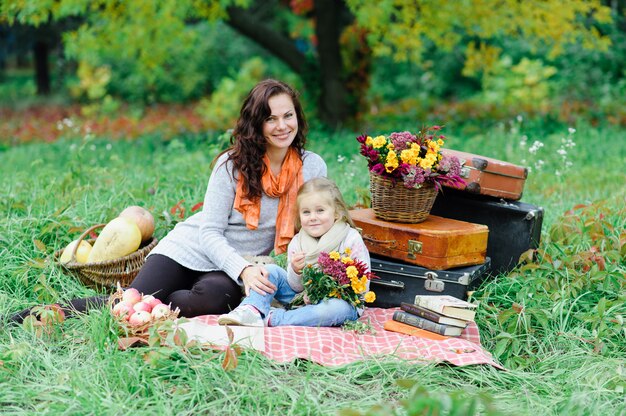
(338, 276)
(406, 171)
(143, 318)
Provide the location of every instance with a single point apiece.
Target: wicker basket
(397, 203)
(106, 274)
(142, 331)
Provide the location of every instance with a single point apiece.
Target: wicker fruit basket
(397, 203)
(106, 274)
(142, 331)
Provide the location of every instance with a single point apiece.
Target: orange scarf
(284, 187)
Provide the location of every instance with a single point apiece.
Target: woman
(200, 265)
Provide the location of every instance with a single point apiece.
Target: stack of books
(432, 316)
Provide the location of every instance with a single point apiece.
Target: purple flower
(414, 176)
(451, 165)
(372, 155)
(378, 169)
(402, 140)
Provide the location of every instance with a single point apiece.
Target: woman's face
(281, 127)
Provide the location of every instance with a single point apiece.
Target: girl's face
(280, 128)
(317, 214)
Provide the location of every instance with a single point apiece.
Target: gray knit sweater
(216, 238)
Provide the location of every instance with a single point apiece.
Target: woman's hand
(297, 262)
(256, 278)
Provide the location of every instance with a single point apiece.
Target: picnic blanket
(335, 346)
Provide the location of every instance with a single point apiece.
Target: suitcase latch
(465, 172)
(433, 284)
(415, 247)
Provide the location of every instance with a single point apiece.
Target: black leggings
(194, 293)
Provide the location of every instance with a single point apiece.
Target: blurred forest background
(173, 67)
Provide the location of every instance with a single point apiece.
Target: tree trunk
(42, 67)
(334, 103)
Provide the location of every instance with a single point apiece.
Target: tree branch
(280, 46)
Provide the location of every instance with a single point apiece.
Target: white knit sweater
(216, 238)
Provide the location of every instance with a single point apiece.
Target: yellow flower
(410, 156)
(440, 142)
(333, 293)
(369, 141)
(348, 251)
(390, 146)
(334, 255)
(357, 286)
(346, 260)
(364, 280)
(428, 161)
(392, 161)
(352, 272)
(378, 142)
(370, 297)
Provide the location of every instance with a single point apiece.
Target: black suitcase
(400, 282)
(514, 226)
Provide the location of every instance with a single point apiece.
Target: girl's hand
(256, 278)
(297, 262)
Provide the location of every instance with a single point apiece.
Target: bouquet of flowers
(413, 159)
(337, 275)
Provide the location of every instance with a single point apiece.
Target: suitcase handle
(390, 243)
(389, 283)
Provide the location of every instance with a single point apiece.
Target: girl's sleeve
(218, 205)
(359, 250)
(357, 245)
(294, 279)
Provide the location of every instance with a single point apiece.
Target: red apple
(160, 311)
(139, 318)
(131, 296)
(123, 309)
(142, 306)
(151, 300)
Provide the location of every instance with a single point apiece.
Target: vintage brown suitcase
(487, 176)
(436, 243)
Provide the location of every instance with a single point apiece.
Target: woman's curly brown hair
(248, 145)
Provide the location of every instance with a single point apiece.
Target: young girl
(325, 226)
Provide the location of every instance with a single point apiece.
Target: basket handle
(390, 243)
(81, 238)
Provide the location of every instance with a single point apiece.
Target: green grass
(564, 352)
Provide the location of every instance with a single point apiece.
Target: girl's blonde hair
(321, 185)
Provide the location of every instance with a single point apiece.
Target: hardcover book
(403, 328)
(432, 315)
(447, 305)
(419, 322)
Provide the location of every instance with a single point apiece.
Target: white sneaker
(241, 316)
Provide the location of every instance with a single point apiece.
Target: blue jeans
(329, 312)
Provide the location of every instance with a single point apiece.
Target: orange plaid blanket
(335, 346)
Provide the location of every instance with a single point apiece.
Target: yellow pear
(82, 253)
(119, 238)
